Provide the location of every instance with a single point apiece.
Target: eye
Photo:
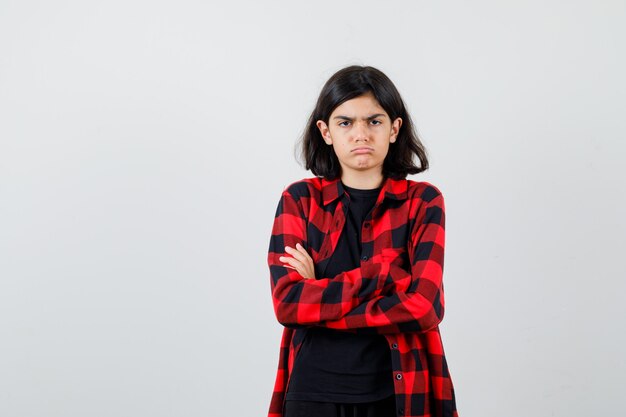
(344, 123)
(376, 122)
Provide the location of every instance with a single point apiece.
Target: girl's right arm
(300, 301)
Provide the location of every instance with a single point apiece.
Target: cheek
(385, 150)
(340, 146)
(342, 151)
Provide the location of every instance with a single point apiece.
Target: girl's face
(360, 132)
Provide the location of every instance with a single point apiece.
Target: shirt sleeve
(419, 304)
(299, 301)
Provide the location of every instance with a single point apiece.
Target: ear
(395, 129)
(323, 127)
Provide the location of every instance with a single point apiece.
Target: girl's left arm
(420, 307)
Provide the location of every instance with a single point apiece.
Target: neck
(362, 182)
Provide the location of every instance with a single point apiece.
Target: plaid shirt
(397, 291)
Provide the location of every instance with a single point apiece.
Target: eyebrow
(373, 116)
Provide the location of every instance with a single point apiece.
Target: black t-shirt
(339, 366)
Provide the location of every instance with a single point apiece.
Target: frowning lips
(363, 149)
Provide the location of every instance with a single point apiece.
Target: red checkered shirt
(397, 291)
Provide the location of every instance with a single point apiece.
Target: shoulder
(426, 203)
(300, 196)
(304, 188)
(423, 191)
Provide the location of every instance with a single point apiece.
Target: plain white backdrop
(144, 146)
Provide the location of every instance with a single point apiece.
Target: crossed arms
(351, 301)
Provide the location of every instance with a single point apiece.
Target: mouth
(362, 149)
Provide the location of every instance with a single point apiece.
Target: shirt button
(394, 346)
(401, 411)
(398, 376)
(364, 258)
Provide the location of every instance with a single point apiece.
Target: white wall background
(144, 146)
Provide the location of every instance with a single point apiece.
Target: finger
(296, 264)
(303, 251)
(307, 263)
(298, 270)
(296, 254)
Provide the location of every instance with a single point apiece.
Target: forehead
(363, 105)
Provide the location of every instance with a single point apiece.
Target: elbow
(425, 314)
(281, 313)
(428, 322)
(287, 320)
(435, 313)
(290, 325)
(434, 316)
(286, 314)
(285, 297)
(281, 316)
(424, 323)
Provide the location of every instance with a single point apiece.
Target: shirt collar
(393, 189)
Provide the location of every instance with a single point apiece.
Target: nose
(361, 132)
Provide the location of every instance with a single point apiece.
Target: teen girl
(356, 263)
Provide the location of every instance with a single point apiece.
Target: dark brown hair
(344, 85)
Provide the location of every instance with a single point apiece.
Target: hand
(300, 261)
